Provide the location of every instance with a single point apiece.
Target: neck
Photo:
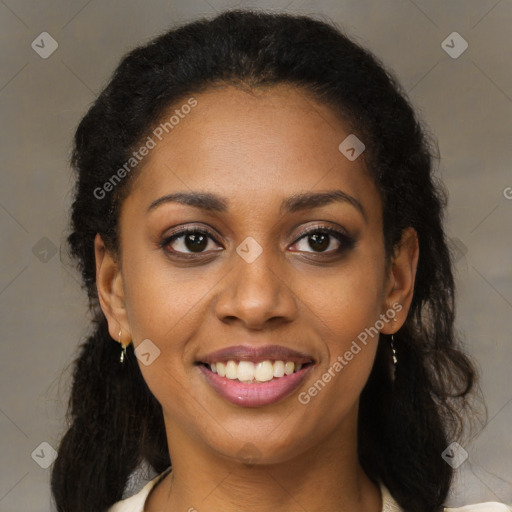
(325, 478)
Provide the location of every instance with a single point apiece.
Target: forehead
(252, 146)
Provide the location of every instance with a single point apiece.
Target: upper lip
(260, 353)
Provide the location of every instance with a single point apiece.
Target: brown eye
(321, 240)
(188, 241)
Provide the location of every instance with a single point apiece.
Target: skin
(256, 148)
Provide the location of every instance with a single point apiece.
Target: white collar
(136, 503)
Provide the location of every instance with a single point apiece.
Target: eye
(192, 239)
(320, 239)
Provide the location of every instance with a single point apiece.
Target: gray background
(465, 101)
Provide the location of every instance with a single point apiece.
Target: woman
(258, 227)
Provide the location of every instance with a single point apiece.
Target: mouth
(253, 372)
(255, 376)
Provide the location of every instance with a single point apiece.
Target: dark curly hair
(115, 423)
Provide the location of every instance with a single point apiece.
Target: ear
(111, 292)
(401, 278)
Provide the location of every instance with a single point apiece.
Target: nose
(256, 293)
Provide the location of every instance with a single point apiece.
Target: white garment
(136, 503)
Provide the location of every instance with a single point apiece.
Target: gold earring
(123, 349)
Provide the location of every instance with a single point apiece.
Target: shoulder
(390, 505)
(136, 502)
(490, 506)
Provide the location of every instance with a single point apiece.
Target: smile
(254, 384)
(252, 372)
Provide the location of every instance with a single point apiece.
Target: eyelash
(346, 242)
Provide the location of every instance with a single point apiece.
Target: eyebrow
(297, 202)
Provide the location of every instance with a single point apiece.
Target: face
(259, 267)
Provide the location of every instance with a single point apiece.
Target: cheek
(161, 300)
(163, 309)
(350, 346)
(166, 306)
(347, 308)
(347, 301)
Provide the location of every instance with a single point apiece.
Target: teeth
(231, 370)
(221, 369)
(264, 371)
(279, 369)
(247, 371)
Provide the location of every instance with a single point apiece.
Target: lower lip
(256, 394)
